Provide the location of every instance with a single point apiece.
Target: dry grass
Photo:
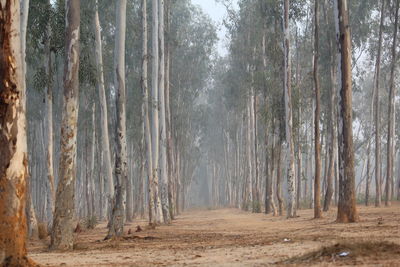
(352, 252)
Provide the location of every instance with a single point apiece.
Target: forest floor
(231, 237)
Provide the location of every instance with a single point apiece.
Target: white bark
(291, 205)
(116, 225)
(13, 141)
(154, 108)
(163, 128)
(62, 236)
(146, 115)
(108, 174)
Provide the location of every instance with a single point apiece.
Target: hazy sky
(217, 13)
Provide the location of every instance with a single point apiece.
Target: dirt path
(230, 237)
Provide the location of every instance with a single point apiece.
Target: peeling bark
(163, 129)
(117, 221)
(62, 235)
(391, 114)
(103, 116)
(13, 141)
(317, 145)
(291, 183)
(347, 211)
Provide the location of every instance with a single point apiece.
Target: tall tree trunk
(146, 115)
(291, 184)
(249, 186)
(332, 116)
(154, 108)
(163, 129)
(49, 104)
(105, 141)
(256, 190)
(30, 211)
(391, 113)
(317, 145)
(168, 122)
(62, 236)
(347, 211)
(13, 140)
(116, 224)
(279, 178)
(378, 176)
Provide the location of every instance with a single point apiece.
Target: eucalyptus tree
(105, 139)
(317, 145)
(347, 211)
(62, 236)
(391, 111)
(163, 123)
(117, 220)
(154, 111)
(13, 144)
(291, 185)
(376, 106)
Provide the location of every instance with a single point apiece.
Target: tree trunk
(13, 140)
(116, 224)
(391, 114)
(291, 185)
(154, 108)
(317, 145)
(146, 115)
(49, 104)
(378, 176)
(163, 129)
(249, 186)
(168, 123)
(279, 179)
(332, 116)
(105, 141)
(30, 211)
(62, 236)
(347, 211)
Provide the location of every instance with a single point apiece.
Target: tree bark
(105, 140)
(347, 211)
(279, 179)
(391, 114)
(154, 108)
(13, 140)
(317, 137)
(168, 122)
(146, 118)
(163, 129)
(332, 116)
(378, 176)
(62, 236)
(291, 184)
(116, 224)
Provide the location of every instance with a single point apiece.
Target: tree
(105, 141)
(146, 115)
(391, 112)
(291, 207)
(317, 146)
(116, 224)
(49, 104)
(347, 211)
(163, 125)
(155, 116)
(62, 236)
(13, 141)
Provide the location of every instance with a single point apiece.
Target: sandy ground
(231, 237)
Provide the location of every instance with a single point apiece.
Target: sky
(217, 12)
